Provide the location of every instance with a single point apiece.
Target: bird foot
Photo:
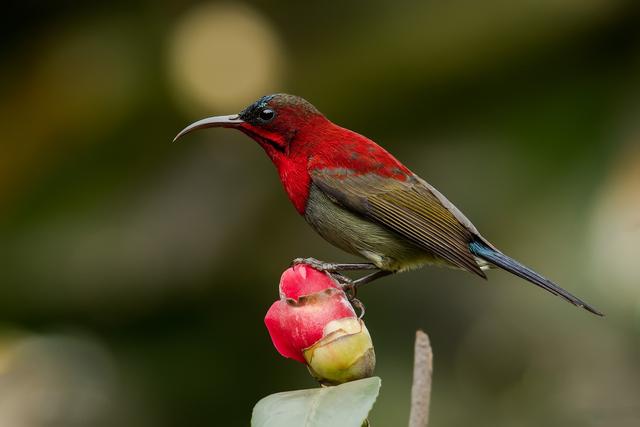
(349, 286)
(315, 263)
(332, 267)
(350, 289)
(358, 305)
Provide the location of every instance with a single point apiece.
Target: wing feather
(409, 208)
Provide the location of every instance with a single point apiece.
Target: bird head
(298, 139)
(273, 121)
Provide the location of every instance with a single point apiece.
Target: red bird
(361, 199)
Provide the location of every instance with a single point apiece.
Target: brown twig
(421, 388)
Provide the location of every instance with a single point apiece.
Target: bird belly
(356, 235)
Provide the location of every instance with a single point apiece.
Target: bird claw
(350, 289)
(348, 286)
(315, 263)
(334, 267)
(357, 304)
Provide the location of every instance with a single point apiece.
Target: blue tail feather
(497, 258)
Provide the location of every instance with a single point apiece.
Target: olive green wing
(410, 208)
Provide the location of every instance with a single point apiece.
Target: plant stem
(421, 388)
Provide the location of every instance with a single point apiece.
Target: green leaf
(345, 405)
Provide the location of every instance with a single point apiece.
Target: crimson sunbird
(360, 198)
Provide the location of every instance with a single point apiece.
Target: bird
(361, 199)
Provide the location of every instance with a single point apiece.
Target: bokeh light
(60, 379)
(615, 227)
(222, 55)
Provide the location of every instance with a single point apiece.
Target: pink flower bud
(314, 323)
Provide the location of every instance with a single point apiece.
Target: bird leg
(349, 286)
(331, 267)
(370, 278)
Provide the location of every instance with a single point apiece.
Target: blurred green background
(136, 272)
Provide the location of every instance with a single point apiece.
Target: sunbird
(360, 198)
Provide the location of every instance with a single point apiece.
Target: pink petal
(296, 327)
(302, 279)
(280, 337)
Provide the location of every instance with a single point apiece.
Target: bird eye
(267, 115)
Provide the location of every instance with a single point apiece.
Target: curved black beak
(210, 122)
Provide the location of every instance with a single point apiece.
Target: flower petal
(296, 325)
(302, 280)
(276, 323)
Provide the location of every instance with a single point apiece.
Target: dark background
(135, 273)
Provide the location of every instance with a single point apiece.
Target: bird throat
(267, 140)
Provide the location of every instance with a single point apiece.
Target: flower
(313, 322)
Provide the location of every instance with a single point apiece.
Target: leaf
(345, 405)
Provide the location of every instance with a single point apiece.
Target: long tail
(499, 259)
